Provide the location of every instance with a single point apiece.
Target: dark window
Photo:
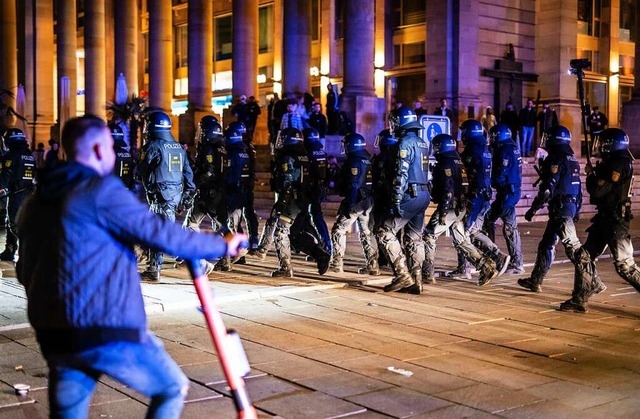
(265, 25)
(628, 10)
(340, 12)
(408, 12)
(223, 27)
(315, 20)
(181, 46)
(408, 54)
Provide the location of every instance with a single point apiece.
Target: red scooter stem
(219, 334)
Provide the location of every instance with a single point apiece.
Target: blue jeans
(145, 367)
(525, 141)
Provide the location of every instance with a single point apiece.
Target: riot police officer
(239, 182)
(560, 190)
(16, 180)
(316, 192)
(609, 185)
(166, 176)
(506, 179)
(124, 167)
(410, 198)
(477, 161)
(291, 171)
(382, 172)
(210, 174)
(356, 205)
(449, 191)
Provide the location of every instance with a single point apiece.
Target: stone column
(95, 58)
(160, 54)
(360, 102)
(38, 68)
(126, 42)
(452, 65)
(110, 58)
(296, 54)
(8, 49)
(609, 47)
(67, 46)
(631, 109)
(245, 48)
(200, 65)
(555, 46)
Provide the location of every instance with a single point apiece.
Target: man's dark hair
(546, 102)
(75, 133)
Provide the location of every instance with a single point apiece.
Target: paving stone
(35, 377)
(26, 359)
(184, 355)
(38, 409)
(280, 339)
(211, 408)
(309, 405)
(489, 398)
(129, 408)
(625, 408)
(344, 384)
(209, 373)
(409, 333)
(460, 366)
(456, 411)
(509, 378)
(424, 380)
(398, 402)
(305, 326)
(333, 353)
(264, 388)
(260, 354)
(549, 409)
(295, 368)
(574, 395)
(406, 351)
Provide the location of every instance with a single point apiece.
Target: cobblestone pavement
(338, 347)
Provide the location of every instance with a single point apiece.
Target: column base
(188, 125)
(630, 124)
(367, 115)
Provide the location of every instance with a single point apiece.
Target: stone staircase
(264, 198)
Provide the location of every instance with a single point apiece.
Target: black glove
(187, 201)
(529, 214)
(397, 210)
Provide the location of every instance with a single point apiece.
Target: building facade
(193, 57)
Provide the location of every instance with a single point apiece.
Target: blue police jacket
(477, 160)
(412, 164)
(506, 171)
(355, 180)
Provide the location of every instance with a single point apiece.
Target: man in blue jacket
(78, 266)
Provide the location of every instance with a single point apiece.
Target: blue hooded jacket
(77, 261)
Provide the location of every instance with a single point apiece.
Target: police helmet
(443, 143)
(158, 122)
(209, 129)
(471, 132)
(385, 138)
(14, 136)
(353, 142)
(555, 136)
(234, 133)
(499, 134)
(403, 118)
(311, 136)
(612, 139)
(117, 134)
(238, 126)
(291, 137)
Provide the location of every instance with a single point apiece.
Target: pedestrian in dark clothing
(52, 157)
(318, 121)
(78, 267)
(242, 111)
(254, 112)
(528, 120)
(332, 110)
(509, 117)
(273, 122)
(443, 109)
(418, 109)
(596, 122)
(547, 117)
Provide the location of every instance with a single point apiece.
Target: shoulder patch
(403, 154)
(354, 171)
(447, 172)
(7, 163)
(285, 167)
(615, 176)
(554, 168)
(209, 158)
(505, 162)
